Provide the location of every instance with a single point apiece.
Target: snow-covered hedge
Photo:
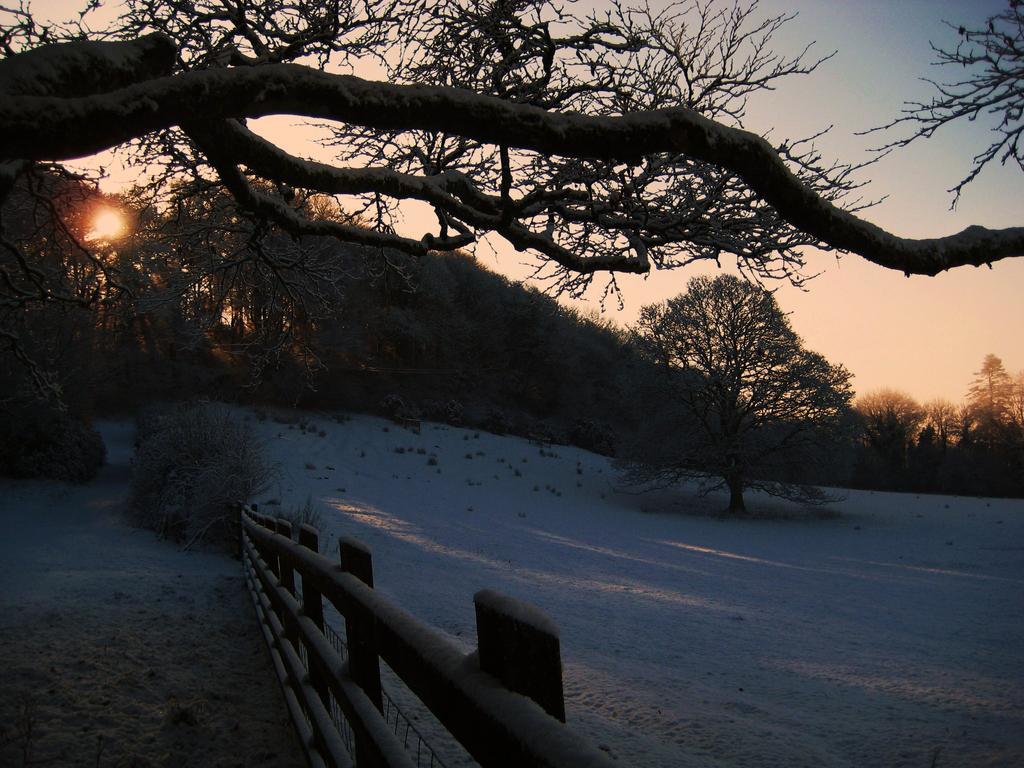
(36, 440)
(192, 464)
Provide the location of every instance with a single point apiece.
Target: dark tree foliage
(749, 399)
(445, 339)
(890, 423)
(53, 311)
(976, 448)
(40, 440)
(228, 308)
(991, 393)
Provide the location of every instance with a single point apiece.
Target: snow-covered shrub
(445, 411)
(497, 421)
(593, 435)
(393, 406)
(36, 440)
(192, 464)
(433, 410)
(453, 412)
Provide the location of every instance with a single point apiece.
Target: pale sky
(922, 335)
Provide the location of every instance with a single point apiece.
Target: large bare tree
(603, 141)
(754, 405)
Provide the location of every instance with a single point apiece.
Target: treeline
(974, 448)
(199, 301)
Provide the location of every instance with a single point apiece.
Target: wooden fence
(503, 703)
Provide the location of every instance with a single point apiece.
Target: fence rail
(503, 703)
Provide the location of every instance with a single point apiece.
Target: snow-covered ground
(117, 649)
(888, 635)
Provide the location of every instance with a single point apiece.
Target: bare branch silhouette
(991, 59)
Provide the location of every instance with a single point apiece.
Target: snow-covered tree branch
(610, 142)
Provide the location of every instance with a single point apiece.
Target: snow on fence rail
(503, 703)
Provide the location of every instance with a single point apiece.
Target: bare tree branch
(34, 127)
(991, 88)
(604, 142)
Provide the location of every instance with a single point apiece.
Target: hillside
(883, 635)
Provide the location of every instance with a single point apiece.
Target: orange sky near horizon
(925, 336)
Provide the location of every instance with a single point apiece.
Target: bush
(453, 412)
(593, 436)
(497, 422)
(36, 440)
(444, 411)
(192, 464)
(394, 407)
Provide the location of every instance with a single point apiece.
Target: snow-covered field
(117, 649)
(888, 635)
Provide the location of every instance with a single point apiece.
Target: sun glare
(107, 224)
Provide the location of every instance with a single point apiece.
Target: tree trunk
(736, 505)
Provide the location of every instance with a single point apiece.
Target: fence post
(356, 559)
(235, 528)
(287, 576)
(269, 556)
(263, 522)
(518, 644)
(360, 630)
(313, 608)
